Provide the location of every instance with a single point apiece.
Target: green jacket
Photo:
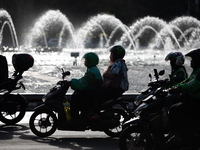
(178, 76)
(90, 81)
(191, 85)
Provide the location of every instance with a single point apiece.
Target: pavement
(20, 137)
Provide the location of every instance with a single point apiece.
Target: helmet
(176, 57)
(194, 53)
(92, 59)
(118, 52)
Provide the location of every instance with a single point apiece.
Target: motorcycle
(145, 125)
(13, 106)
(149, 125)
(152, 87)
(149, 91)
(47, 117)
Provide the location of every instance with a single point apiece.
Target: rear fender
(19, 97)
(23, 99)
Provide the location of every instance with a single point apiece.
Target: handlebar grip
(64, 74)
(67, 73)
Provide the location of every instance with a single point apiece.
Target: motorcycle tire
(13, 111)
(115, 132)
(43, 123)
(129, 139)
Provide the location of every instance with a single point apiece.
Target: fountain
(104, 30)
(51, 23)
(5, 19)
(102, 24)
(147, 41)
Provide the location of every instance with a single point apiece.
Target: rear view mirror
(162, 72)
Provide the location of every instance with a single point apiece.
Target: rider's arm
(82, 83)
(111, 75)
(180, 76)
(183, 82)
(112, 71)
(192, 86)
(78, 84)
(91, 78)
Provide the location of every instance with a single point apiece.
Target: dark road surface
(20, 137)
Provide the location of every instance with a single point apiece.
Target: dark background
(25, 12)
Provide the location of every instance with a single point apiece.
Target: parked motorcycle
(13, 106)
(149, 125)
(46, 118)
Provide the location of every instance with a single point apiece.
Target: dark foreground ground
(20, 137)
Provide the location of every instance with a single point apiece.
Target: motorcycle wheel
(130, 139)
(13, 111)
(115, 132)
(43, 123)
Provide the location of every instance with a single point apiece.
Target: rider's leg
(74, 105)
(81, 101)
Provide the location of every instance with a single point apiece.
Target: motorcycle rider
(83, 97)
(184, 114)
(178, 74)
(115, 77)
(178, 71)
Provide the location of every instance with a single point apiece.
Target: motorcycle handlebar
(64, 74)
(158, 83)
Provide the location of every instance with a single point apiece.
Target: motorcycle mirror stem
(156, 74)
(150, 76)
(63, 73)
